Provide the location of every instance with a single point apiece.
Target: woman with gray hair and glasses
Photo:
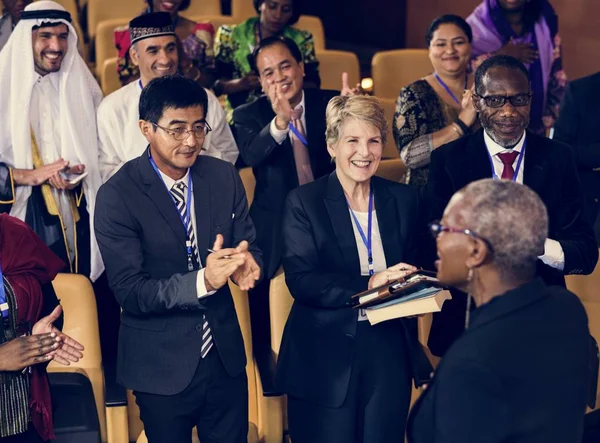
(519, 373)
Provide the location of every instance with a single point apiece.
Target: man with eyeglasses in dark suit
(504, 149)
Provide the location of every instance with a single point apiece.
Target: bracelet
(455, 127)
(463, 126)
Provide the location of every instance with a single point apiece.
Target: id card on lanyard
(187, 221)
(366, 238)
(519, 161)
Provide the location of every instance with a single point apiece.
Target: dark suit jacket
(142, 241)
(274, 167)
(549, 169)
(322, 271)
(517, 375)
(577, 126)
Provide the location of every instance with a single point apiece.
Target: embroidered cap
(150, 25)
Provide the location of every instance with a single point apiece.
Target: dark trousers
(213, 402)
(378, 397)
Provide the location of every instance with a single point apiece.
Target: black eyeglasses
(436, 228)
(180, 134)
(498, 101)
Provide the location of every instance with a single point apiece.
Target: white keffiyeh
(79, 98)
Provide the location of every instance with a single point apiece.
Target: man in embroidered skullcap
(154, 49)
(10, 17)
(48, 145)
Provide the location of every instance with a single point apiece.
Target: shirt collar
(301, 103)
(494, 148)
(51, 77)
(169, 182)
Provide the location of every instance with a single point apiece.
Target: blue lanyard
(516, 174)
(298, 134)
(4, 308)
(445, 86)
(140, 83)
(366, 240)
(188, 219)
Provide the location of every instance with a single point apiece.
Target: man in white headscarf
(154, 50)
(48, 137)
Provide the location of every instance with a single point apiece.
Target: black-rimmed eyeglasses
(498, 101)
(436, 228)
(180, 134)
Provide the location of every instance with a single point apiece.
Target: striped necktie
(178, 192)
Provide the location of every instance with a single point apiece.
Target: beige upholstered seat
(392, 70)
(333, 63)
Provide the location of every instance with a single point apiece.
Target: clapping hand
(395, 272)
(280, 104)
(521, 51)
(346, 90)
(248, 274)
(468, 114)
(67, 349)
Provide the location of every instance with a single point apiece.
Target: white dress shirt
(379, 263)
(120, 138)
(280, 134)
(554, 255)
(169, 182)
(44, 115)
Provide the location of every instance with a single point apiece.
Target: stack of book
(416, 294)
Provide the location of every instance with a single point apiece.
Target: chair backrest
(100, 10)
(249, 183)
(280, 304)
(104, 43)
(109, 77)
(314, 25)
(389, 108)
(392, 169)
(333, 63)
(392, 70)
(586, 288)
(242, 9)
(78, 301)
(202, 7)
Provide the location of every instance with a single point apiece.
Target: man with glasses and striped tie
(504, 150)
(173, 228)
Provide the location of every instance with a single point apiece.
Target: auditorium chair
(586, 288)
(81, 322)
(242, 10)
(314, 25)
(392, 169)
(109, 78)
(264, 413)
(104, 43)
(392, 70)
(249, 183)
(100, 10)
(389, 108)
(204, 7)
(331, 66)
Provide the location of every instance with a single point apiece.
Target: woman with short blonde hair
(348, 381)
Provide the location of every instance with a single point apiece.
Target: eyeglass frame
(436, 228)
(187, 132)
(504, 98)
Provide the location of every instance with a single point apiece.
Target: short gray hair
(513, 218)
(361, 107)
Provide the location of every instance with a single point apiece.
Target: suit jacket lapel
(337, 208)
(155, 189)
(473, 165)
(389, 222)
(534, 172)
(202, 211)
